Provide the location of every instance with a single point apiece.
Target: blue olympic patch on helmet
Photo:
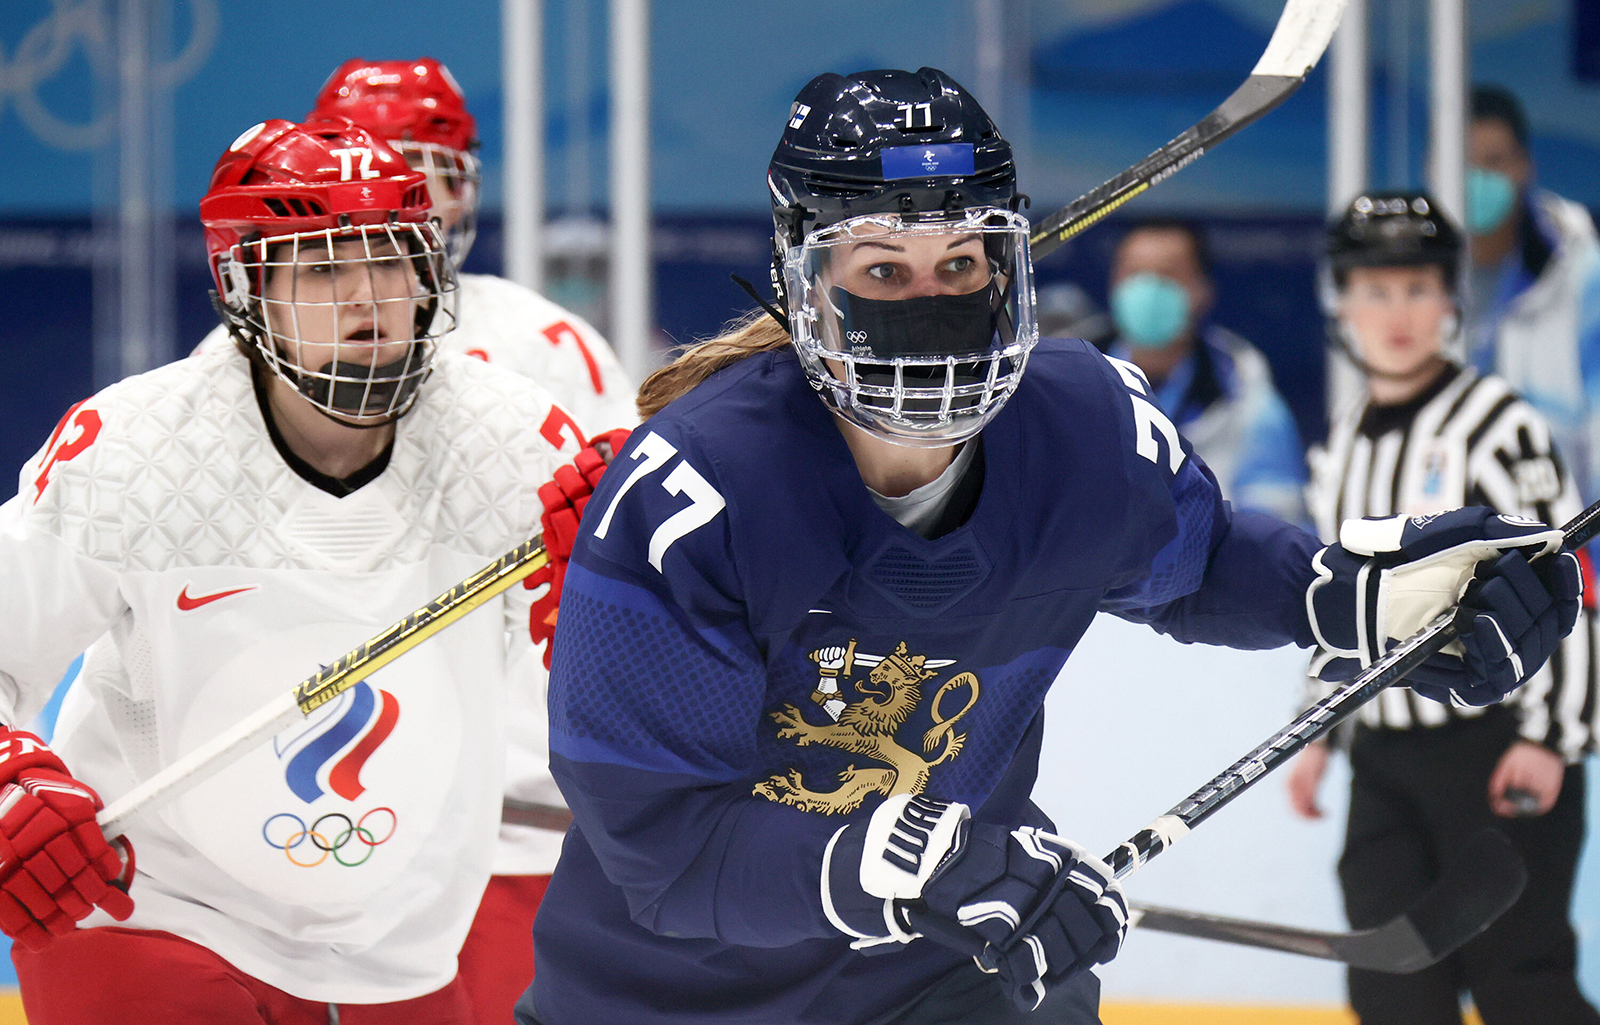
(948, 158)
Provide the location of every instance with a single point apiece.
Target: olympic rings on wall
(86, 32)
(294, 832)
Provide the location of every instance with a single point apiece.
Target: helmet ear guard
(235, 281)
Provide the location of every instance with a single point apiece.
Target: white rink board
(1136, 722)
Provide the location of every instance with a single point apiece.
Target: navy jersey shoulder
(1075, 454)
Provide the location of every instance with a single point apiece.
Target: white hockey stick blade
(1486, 878)
(1304, 30)
(1302, 35)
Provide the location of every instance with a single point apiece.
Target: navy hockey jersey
(751, 654)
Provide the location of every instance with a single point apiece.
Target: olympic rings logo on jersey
(289, 833)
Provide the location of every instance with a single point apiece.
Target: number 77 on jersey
(650, 455)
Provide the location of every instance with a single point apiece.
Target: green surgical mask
(1490, 199)
(1151, 311)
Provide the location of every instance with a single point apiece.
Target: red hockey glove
(55, 864)
(564, 499)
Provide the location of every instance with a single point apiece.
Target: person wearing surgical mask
(1533, 298)
(1215, 386)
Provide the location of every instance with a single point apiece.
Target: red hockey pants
(496, 963)
(134, 977)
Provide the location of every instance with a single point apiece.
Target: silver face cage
(455, 184)
(350, 317)
(925, 387)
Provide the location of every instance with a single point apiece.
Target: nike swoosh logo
(188, 604)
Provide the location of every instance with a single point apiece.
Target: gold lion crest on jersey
(890, 693)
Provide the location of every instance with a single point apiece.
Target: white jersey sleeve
(506, 324)
(55, 598)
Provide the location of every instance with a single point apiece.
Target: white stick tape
(1304, 30)
(1170, 829)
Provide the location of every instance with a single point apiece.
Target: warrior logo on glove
(890, 694)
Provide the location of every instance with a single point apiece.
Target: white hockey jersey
(504, 323)
(508, 325)
(511, 326)
(344, 860)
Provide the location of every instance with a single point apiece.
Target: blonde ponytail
(753, 333)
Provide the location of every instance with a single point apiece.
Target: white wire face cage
(455, 183)
(350, 317)
(914, 327)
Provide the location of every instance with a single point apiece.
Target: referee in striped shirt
(1433, 435)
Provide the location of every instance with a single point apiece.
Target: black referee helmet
(1394, 229)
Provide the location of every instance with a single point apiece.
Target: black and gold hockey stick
(312, 693)
(1303, 32)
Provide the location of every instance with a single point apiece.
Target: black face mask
(359, 398)
(971, 325)
(929, 325)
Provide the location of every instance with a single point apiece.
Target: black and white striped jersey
(1466, 440)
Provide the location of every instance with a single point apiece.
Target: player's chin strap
(239, 331)
(775, 312)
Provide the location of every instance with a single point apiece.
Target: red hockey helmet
(417, 107)
(325, 259)
(411, 101)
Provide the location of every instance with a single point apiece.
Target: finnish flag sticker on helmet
(946, 158)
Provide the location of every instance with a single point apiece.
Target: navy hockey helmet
(899, 254)
(885, 142)
(1403, 228)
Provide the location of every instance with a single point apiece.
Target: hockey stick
(1485, 879)
(1446, 926)
(315, 691)
(549, 817)
(1304, 29)
(1311, 724)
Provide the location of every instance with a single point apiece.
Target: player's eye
(959, 265)
(882, 271)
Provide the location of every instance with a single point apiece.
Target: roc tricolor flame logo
(330, 752)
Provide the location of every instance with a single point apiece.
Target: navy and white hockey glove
(1029, 907)
(1388, 578)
